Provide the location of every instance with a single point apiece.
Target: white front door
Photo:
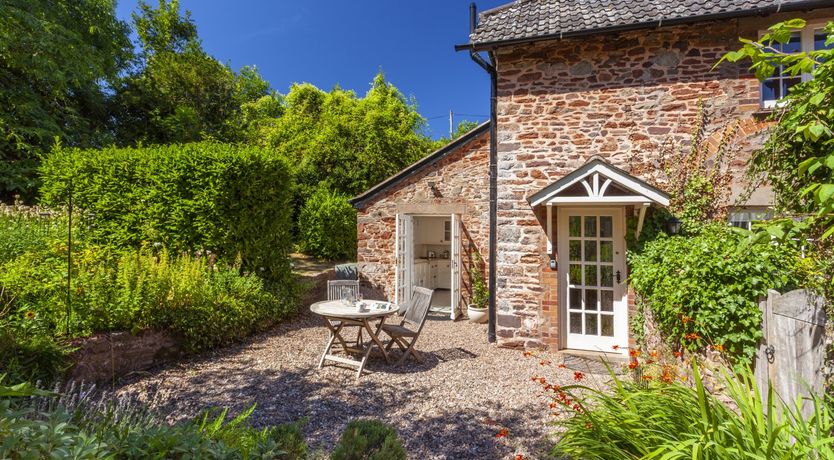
(592, 275)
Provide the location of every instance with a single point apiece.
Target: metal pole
(451, 125)
(69, 258)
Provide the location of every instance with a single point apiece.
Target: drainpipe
(493, 168)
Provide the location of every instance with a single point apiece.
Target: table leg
(375, 338)
(334, 334)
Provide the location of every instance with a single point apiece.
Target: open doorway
(428, 256)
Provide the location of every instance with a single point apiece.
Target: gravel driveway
(450, 407)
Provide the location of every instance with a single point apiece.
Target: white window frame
(750, 211)
(806, 40)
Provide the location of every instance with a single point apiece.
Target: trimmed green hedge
(231, 200)
(327, 226)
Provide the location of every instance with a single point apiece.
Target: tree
(180, 93)
(342, 141)
(59, 59)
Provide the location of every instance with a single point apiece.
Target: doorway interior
(428, 257)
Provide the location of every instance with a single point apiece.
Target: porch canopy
(596, 183)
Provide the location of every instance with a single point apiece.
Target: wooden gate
(791, 356)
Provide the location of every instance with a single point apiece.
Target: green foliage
(368, 440)
(30, 355)
(85, 426)
(679, 421)
(327, 226)
(58, 62)
(704, 288)
(207, 304)
(480, 293)
(343, 141)
(797, 158)
(230, 200)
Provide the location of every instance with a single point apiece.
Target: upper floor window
(809, 39)
(746, 217)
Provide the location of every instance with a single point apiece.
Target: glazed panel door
(592, 274)
(404, 257)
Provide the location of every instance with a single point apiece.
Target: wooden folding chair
(335, 291)
(415, 316)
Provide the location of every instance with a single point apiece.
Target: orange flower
(562, 366)
(633, 364)
(653, 354)
(519, 457)
(685, 319)
(578, 376)
(692, 336)
(503, 433)
(634, 353)
(528, 353)
(678, 354)
(544, 362)
(647, 377)
(616, 347)
(719, 348)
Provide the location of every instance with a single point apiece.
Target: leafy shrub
(207, 304)
(30, 356)
(84, 424)
(231, 200)
(368, 440)
(327, 226)
(704, 288)
(678, 421)
(20, 233)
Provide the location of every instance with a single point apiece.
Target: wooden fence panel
(791, 357)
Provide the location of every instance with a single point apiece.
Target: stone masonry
(457, 183)
(620, 96)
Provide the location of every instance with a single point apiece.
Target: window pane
(794, 45)
(607, 300)
(575, 301)
(576, 323)
(590, 275)
(575, 225)
(575, 250)
(590, 226)
(607, 325)
(591, 251)
(590, 299)
(770, 90)
(606, 226)
(591, 324)
(606, 275)
(788, 83)
(575, 274)
(606, 251)
(819, 40)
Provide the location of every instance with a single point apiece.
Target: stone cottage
(584, 93)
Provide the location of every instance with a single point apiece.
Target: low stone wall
(105, 357)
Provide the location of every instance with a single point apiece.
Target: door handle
(618, 276)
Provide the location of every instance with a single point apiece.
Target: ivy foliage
(703, 289)
(233, 201)
(327, 226)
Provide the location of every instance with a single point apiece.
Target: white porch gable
(598, 182)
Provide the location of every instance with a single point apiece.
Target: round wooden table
(337, 314)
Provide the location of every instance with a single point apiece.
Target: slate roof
(526, 20)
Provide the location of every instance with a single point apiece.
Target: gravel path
(450, 407)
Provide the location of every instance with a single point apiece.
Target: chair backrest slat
(418, 308)
(335, 288)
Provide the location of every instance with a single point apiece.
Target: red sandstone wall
(561, 102)
(460, 181)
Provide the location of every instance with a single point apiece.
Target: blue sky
(329, 42)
